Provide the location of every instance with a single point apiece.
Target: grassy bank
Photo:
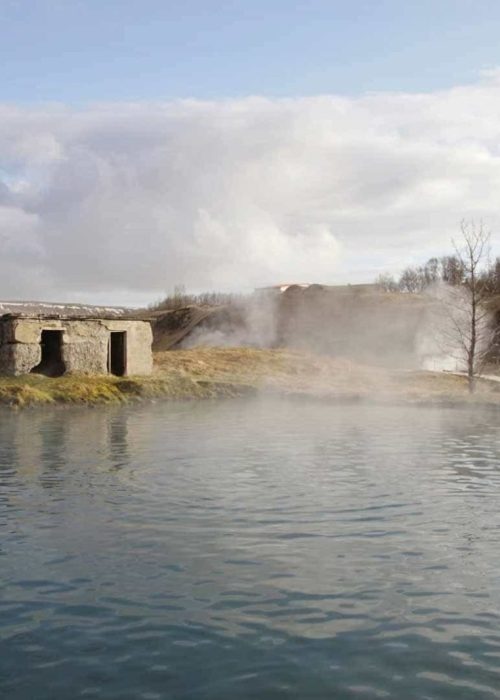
(33, 390)
(298, 372)
(216, 372)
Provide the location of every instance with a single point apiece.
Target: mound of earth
(171, 328)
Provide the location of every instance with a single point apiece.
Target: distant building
(54, 344)
(277, 289)
(280, 288)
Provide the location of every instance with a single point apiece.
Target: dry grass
(306, 373)
(213, 372)
(227, 364)
(440, 385)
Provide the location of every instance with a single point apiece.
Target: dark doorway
(52, 363)
(117, 353)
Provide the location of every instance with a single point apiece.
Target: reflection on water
(249, 549)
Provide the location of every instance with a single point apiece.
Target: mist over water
(246, 549)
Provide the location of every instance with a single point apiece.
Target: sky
(227, 145)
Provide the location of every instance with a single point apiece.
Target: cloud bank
(121, 202)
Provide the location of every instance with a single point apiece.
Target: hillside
(366, 325)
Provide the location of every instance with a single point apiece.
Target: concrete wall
(85, 344)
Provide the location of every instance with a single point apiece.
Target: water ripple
(249, 549)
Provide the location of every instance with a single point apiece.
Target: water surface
(249, 549)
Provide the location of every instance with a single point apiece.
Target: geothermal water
(249, 549)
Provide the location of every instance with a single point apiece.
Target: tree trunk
(472, 382)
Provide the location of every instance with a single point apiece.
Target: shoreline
(214, 373)
(32, 402)
(87, 391)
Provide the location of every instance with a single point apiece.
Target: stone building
(55, 344)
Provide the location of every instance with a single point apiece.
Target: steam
(256, 327)
(445, 335)
(404, 331)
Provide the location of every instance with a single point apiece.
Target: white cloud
(124, 201)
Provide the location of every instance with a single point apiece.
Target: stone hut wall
(85, 344)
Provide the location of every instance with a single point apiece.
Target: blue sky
(79, 51)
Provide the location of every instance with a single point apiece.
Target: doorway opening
(117, 353)
(52, 363)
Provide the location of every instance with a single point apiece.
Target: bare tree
(452, 271)
(468, 328)
(387, 283)
(411, 280)
(415, 280)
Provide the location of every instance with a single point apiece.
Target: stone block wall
(84, 348)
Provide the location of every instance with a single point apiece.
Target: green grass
(33, 390)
